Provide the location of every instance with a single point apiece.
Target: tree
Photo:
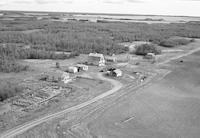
(57, 65)
(147, 48)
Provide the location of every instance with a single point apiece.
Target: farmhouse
(96, 59)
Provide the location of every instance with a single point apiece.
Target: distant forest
(45, 37)
(90, 37)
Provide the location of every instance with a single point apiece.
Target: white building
(114, 73)
(96, 59)
(72, 69)
(117, 73)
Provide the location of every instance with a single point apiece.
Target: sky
(153, 7)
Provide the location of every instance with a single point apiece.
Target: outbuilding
(72, 69)
(117, 73)
(82, 67)
(114, 72)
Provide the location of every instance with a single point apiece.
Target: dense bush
(147, 48)
(8, 64)
(20, 53)
(90, 37)
(8, 89)
(175, 42)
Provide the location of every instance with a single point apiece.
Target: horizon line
(100, 13)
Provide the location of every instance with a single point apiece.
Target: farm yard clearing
(43, 97)
(160, 102)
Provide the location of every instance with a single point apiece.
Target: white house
(96, 59)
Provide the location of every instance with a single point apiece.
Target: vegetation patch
(10, 65)
(9, 89)
(175, 42)
(147, 48)
(87, 37)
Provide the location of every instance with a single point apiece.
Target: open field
(168, 108)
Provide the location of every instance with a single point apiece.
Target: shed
(117, 73)
(72, 69)
(114, 72)
(82, 67)
(96, 59)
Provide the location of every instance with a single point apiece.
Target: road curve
(20, 129)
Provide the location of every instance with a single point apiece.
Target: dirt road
(18, 130)
(180, 56)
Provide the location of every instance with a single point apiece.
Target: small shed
(117, 73)
(114, 72)
(72, 69)
(96, 59)
(82, 67)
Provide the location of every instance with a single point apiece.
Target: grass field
(169, 108)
